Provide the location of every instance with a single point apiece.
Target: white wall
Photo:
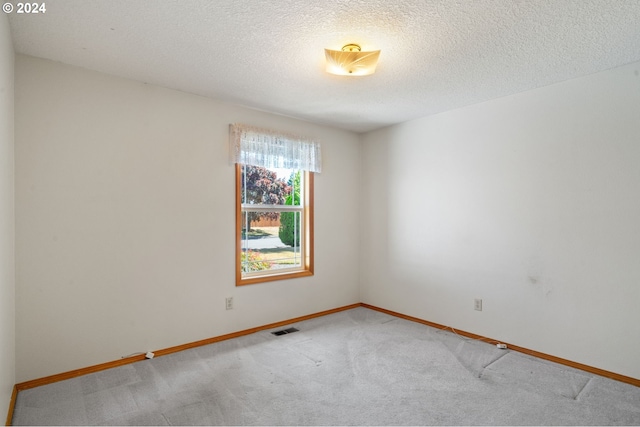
(125, 220)
(7, 227)
(530, 202)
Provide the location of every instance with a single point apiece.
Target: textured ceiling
(269, 54)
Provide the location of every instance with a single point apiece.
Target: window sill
(272, 277)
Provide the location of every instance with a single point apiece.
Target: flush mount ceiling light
(350, 61)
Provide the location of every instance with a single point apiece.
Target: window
(275, 223)
(274, 204)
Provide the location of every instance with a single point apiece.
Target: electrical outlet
(477, 304)
(229, 303)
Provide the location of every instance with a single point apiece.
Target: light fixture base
(351, 47)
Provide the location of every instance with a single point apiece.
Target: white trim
(247, 207)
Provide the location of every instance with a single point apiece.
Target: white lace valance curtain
(271, 149)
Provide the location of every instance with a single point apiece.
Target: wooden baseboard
(586, 368)
(127, 360)
(103, 366)
(12, 405)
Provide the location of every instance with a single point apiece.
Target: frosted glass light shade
(350, 61)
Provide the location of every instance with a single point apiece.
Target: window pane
(295, 182)
(271, 241)
(264, 186)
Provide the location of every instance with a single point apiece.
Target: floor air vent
(285, 331)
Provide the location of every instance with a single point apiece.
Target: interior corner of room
(117, 219)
